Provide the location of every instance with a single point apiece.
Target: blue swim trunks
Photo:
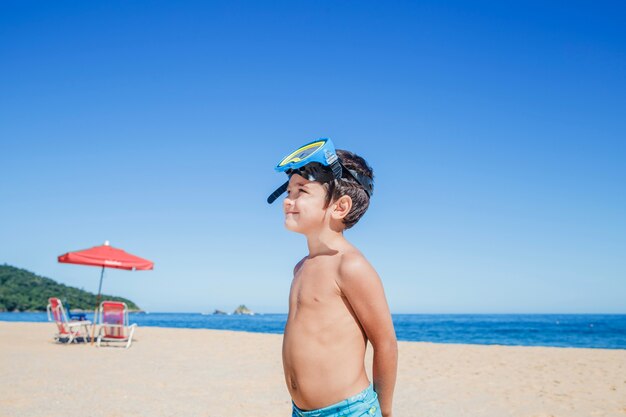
(363, 404)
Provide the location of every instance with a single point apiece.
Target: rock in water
(242, 309)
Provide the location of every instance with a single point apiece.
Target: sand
(183, 372)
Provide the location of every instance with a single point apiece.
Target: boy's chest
(315, 284)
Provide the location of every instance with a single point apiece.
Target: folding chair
(114, 326)
(69, 330)
(73, 316)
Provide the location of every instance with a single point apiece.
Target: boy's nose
(287, 203)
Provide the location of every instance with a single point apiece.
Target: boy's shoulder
(299, 265)
(353, 265)
(349, 260)
(357, 279)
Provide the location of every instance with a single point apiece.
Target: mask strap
(365, 181)
(277, 193)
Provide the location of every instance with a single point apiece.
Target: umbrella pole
(95, 313)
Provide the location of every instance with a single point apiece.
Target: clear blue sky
(497, 133)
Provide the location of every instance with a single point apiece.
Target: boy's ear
(341, 207)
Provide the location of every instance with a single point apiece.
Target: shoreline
(574, 331)
(393, 314)
(193, 329)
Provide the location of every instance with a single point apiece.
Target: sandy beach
(183, 372)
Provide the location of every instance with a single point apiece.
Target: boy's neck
(323, 242)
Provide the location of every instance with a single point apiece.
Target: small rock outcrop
(220, 312)
(243, 310)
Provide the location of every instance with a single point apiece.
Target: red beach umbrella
(106, 256)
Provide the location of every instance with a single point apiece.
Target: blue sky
(495, 130)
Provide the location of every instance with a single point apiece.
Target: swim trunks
(363, 404)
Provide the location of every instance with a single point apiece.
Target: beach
(217, 373)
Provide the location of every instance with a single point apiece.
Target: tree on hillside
(22, 290)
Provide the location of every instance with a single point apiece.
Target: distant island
(22, 290)
(243, 310)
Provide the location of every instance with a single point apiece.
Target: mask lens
(303, 153)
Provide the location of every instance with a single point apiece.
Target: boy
(336, 303)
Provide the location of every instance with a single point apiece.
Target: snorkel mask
(317, 161)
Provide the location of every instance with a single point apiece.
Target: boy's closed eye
(300, 190)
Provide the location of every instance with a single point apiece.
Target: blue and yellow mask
(317, 161)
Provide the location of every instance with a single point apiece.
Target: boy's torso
(324, 344)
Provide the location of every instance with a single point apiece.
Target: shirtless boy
(336, 303)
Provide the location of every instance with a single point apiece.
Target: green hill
(21, 290)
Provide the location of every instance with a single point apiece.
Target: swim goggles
(317, 161)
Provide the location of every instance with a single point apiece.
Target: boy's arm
(363, 289)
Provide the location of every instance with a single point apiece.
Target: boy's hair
(347, 185)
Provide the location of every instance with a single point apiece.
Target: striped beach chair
(68, 330)
(114, 325)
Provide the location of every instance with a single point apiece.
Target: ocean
(559, 330)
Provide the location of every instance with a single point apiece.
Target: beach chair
(114, 326)
(69, 330)
(73, 316)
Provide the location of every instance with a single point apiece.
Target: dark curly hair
(347, 185)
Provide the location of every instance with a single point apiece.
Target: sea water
(567, 330)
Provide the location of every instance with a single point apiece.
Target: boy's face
(304, 205)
